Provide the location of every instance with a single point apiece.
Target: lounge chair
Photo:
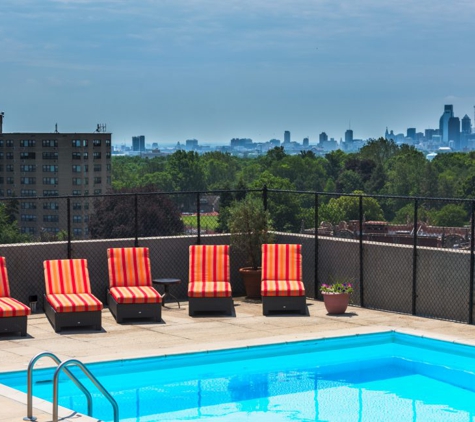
(282, 288)
(130, 293)
(69, 301)
(209, 289)
(13, 314)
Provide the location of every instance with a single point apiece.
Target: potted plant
(249, 226)
(336, 295)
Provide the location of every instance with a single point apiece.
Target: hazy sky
(217, 69)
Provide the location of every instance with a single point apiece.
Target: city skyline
(214, 71)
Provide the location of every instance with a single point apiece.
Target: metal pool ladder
(64, 366)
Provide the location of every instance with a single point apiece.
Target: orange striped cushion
(209, 263)
(10, 307)
(129, 267)
(140, 294)
(64, 276)
(282, 288)
(209, 289)
(282, 262)
(4, 287)
(72, 302)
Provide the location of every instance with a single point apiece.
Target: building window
(28, 180)
(76, 169)
(85, 155)
(77, 155)
(86, 219)
(86, 168)
(86, 205)
(77, 181)
(77, 206)
(50, 180)
(50, 192)
(108, 180)
(9, 155)
(77, 219)
(51, 218)
(27, 155)
(86, 192)
(28, 217)
(50, 143)
(108, 142)
(77, 232)
(50, 206)
(86, 181)
(50, 168)
(96, 155)
(10, 192)
(76, 192)
(97, 180)
(1, 142)
(97, 191)
(108, 155)
(50, 155)
(9, 167)
(28, 206)
(10, 180)
(9, 143)
(96, 143)
(28, 230)
(108, 167)
(84, 143)
(76, 143)
(30, 168)
(28, 143)
(2, 192)
(97, 167)
(1, 167)
(54, 230)
(28, 192)
(2, 180)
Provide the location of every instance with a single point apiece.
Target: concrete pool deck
(179, 333)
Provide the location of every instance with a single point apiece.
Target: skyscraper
(305, 142)
(444, 122)
(138, 143)
(349, 136)
(411, 133)
(454, 132)
(466, 124)
(286, 137)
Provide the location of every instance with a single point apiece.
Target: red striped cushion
(282, 288)
(4, 287)
(64, 276)
(282, 262)
(209, 263)
(209, 289)
(10, 307)
(72, 302)
(141, 294)
(129, 267)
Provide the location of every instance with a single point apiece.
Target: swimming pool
(374, 377)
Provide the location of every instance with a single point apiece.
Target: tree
(9, 231)
(349, 181)
(451, 215)
(114, 215)
(379, 150)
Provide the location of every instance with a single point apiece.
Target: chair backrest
(209, 263)
(282, 262)
(129, 267)
(4, 286)
(64, 276)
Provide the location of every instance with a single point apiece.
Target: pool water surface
(374, 377)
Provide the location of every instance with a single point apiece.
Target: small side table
(166, 283)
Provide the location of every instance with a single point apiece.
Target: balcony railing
(411, 267)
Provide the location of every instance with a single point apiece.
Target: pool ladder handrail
(72, 377)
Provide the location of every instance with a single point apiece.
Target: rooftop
(179, 333)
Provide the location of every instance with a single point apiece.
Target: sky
(213, 70)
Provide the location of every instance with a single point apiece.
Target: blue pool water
(375, 377)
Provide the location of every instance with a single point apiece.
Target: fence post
(414, 259)
(316, 248)
(136, 213)
(361, 252)
(472, 235)
(264, 197)
(68, 204)
(198, 218)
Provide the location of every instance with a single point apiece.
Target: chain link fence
(402, 254)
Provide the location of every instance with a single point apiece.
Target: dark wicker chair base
(14, 325)
(284, 304)
(60, 320)
(210, 304)
(122, 311)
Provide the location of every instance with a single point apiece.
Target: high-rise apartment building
(138, 143)
(444, 122)
(287, 137)
(37, 168)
